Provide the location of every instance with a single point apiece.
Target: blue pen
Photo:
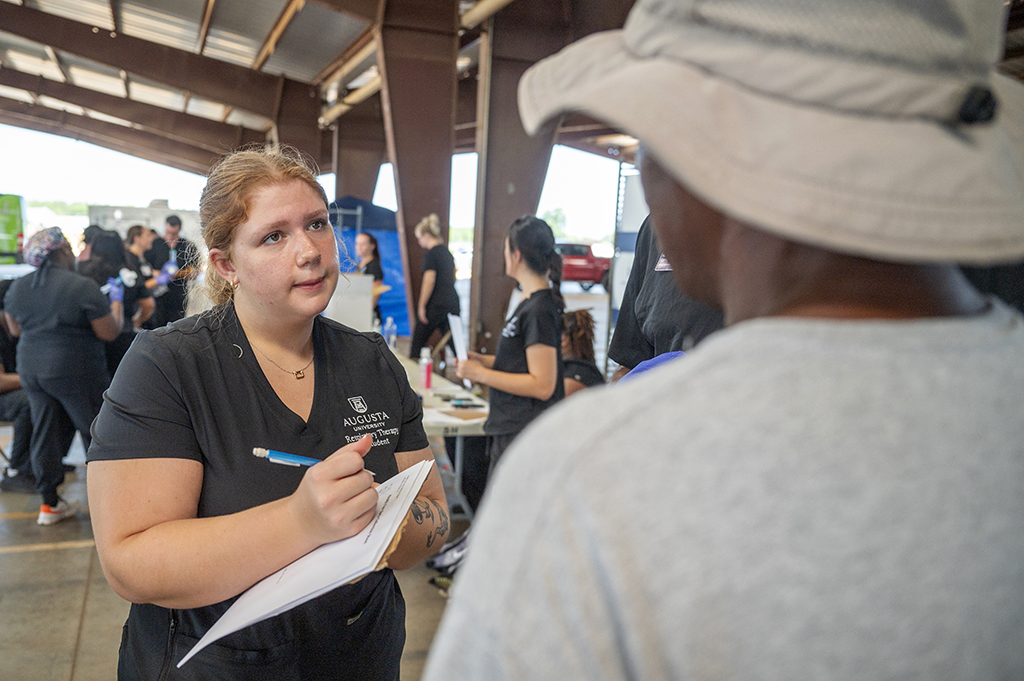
(290, 459)
(286, 459)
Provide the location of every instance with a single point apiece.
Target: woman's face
(425, 241)
(284, 257)
(363, 248)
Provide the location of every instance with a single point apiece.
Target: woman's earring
(234, 287)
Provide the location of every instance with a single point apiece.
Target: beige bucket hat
(872, 127)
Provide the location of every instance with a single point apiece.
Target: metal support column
(512, 165)
(417, 49)
(359, 149)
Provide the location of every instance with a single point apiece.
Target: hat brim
(889, 188)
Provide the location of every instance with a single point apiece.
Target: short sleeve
(144, 415)
(411, 436)
(430, 261)
(628, 346)
(542, 327)
(92, 301)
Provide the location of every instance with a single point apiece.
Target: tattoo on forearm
(430, 512)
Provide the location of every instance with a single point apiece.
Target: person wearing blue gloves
(63, 319)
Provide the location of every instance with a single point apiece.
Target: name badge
(663, 264)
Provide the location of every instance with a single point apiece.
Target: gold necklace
(297, 374)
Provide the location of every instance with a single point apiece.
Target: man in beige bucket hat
(832, 487)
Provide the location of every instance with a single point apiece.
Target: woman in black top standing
(525, 373)
(369, 263)
(186, 518)
(62, 318)
(438, 297)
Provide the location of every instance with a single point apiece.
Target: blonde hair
(224, 204)
(429, 225)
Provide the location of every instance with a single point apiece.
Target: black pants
(14, 407)
(436, 319)
(60, 406)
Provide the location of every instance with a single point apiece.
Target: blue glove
(163, 278)
(649, 364)
(115, 290)
(170, 267)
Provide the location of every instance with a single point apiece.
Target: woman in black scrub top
(186, 518)
(525, 372)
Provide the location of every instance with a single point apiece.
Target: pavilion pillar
(512, 165)
(359, 149)
(417, 50)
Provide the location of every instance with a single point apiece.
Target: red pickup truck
(580, 264)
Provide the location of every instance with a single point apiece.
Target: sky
(44, 167)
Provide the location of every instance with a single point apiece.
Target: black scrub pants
(14, 407)
(60, 406)
(436, 319)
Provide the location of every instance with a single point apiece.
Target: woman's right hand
(422, 314)
(336, 498)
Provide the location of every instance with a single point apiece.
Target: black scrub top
(194, 390)
(655, 317)
(443, 298)
(536, 320)
(55, 308)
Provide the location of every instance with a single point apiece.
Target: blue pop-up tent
(349, 216)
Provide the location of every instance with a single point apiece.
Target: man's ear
(222, 265)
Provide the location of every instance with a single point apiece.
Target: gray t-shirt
(795, 499)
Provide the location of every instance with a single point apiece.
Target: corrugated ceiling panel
(109, 119)
(205, 108)
(314, 38)
(34, 65)
(92, 12)
(11, 93)
(247, 120)
(239, 28)
(157, 96)
(111, 85)
(231, 47)
(172, 24)
(61, 106)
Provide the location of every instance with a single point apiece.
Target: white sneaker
(51, 515)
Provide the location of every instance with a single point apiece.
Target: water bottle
(390, 332)
(426, 368)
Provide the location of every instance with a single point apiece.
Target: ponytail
(555, 275)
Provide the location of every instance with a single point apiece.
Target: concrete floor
(60, 621)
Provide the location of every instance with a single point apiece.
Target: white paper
(326, 567)
(459, 341)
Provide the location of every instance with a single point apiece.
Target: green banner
(12, 227)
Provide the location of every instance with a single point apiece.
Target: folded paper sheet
(327, 567)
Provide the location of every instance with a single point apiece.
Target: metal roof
(325, 44)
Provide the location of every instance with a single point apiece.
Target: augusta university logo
(358, 404)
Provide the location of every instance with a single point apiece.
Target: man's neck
(767, 276)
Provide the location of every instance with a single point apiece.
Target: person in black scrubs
(186, 518)
(655, 318)
(578, 366)
(63, 319)
(369, 263)
(438, 297)
(525, 373)
(111, 259)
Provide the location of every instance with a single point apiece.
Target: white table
(440, 418)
